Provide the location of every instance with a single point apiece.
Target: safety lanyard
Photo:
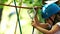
(32, 17)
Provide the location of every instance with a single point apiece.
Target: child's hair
(56, 18)
(58, 3)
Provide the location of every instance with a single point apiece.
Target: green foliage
(40, 16)
(33, 2)
(38, 3)
(1, 6)
(2, 2)
(28, 1)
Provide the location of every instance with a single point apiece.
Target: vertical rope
(19, 14)
(32, 18)
(35, 18)
(33, 31)
(18, 17)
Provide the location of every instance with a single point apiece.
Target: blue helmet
(50, 9)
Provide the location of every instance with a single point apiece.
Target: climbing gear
(18, 17)
(32, 17)
(50, 9)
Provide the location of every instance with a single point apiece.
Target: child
(51, 13)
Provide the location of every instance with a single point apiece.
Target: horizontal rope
(20, 6)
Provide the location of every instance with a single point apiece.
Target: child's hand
(34, 24)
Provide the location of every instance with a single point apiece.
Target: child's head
(50, 9)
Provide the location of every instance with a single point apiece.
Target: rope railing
(20, 6)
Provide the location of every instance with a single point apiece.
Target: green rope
(18, 17)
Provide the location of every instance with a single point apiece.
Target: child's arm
(43, 25)
(54, 29)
